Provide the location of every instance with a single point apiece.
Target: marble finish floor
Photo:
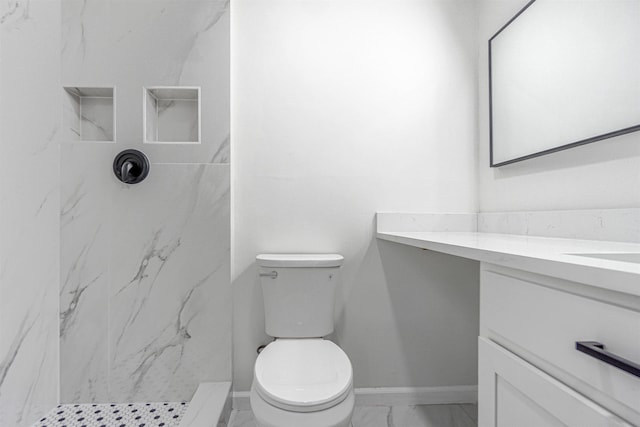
(465, 415)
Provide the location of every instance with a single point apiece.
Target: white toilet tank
(299, 293)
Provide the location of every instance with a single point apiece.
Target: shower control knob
(131, 166)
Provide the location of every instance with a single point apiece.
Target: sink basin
(632, 257)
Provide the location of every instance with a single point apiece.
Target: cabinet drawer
(546, 322)
(515, 393)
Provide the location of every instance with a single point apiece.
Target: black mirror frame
(492, 164)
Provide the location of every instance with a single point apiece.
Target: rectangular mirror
(563, 73)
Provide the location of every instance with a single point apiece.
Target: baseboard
(393, 396)
(407, 396)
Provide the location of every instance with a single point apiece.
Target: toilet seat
(303, 375)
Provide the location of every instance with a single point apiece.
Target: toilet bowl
(302, 382)
(301, 379)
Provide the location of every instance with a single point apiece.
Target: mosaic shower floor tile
(163, 414)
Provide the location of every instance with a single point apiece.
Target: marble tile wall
(29, 206)
(145, 298)
(398, 221)
(87, 114)
(133, 44)
(145, 279)
(593, 224)
(169, 296)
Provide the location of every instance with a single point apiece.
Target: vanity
(559, 336)
(559, 330)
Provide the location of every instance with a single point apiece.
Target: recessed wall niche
(172, 115)
(89, 113)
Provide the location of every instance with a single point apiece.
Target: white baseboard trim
(393, 396)
(407, 396)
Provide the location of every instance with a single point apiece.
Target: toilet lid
(299, 260)
(303, 375)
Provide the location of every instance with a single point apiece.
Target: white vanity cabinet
(530, 372)
(539, 296)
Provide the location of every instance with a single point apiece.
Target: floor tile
(242, 419)
(471, 409)
(167, 414)
(397, 416)
(430, 416)
(371, 416)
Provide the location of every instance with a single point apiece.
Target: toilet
(301, 379)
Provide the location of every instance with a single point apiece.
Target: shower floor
(163, 414)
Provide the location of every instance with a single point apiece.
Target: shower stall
(113, 292)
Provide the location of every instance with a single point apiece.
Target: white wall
(604, 174)
(342, 108)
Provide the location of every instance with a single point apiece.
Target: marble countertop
(556, 257)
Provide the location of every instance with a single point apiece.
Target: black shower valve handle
(131, 166)
(125, 171)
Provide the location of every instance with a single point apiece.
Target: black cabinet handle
(595, 349)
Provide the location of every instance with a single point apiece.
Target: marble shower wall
(29, 209)
(145, 298)
(132, 44)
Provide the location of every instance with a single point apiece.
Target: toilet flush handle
(273, 274)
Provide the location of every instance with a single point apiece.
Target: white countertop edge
(543, 255)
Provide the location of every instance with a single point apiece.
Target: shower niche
(172, 115)
(89, 114)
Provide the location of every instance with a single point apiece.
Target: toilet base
(267, 415)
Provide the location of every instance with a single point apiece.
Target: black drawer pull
(595, 349)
